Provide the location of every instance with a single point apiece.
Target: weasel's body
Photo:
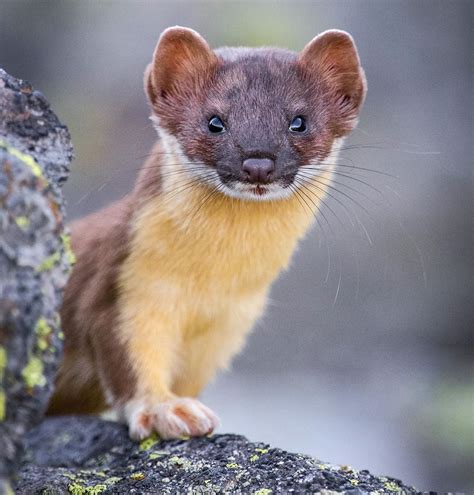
(170, 279)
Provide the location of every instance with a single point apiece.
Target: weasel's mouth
(259, 190)
(256, 192)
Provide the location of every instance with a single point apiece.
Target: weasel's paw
(174, 418)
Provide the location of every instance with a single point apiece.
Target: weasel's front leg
(152, 342)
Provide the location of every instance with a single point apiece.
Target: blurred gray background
(365, 355)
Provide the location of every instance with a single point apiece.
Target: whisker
(338, 287)
(207, 198)
(347, 210)
(317, 206)
(312, 180)
(316, 216)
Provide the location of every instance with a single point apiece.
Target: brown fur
(89, 315)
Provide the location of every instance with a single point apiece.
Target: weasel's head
(248, 121)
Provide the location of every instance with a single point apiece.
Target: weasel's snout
(258, 170)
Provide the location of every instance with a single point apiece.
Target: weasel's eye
(298, 124)
(216, 125)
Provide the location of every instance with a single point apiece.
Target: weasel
(170, 279)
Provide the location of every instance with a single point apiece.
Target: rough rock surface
(87, 455)
(35, 152)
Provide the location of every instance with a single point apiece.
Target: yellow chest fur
(196, 280)
(221, 247)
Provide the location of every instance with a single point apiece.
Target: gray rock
(87, 455)
(35, 259)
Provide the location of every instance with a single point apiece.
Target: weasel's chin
(259, 192)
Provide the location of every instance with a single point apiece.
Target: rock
(35, 259)
(87, 455)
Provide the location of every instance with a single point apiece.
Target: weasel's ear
(182, 59)
(333, 56)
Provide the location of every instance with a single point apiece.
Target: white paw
(174, 418)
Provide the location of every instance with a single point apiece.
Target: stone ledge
(87, 455)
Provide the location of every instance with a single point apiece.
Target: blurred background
(365, 354)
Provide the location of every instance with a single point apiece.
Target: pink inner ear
(332, 57)
(182, 60)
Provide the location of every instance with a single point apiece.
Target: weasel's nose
(258, 170)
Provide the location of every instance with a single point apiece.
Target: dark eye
(298, 124)
(216, 125)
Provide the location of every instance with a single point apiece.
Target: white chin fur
(269, 192)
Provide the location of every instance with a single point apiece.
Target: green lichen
(71, 476)
(77, 489)
(148, 443)
(70, 256)
(263, 491)
(178, 461)
(22, 222)
(262, 451)
(49, 262)
(393, 487)
(43, 331)
(26, 159)
(254, 458)
(157, 454)
(232, 465)
(3, 405)
(3, 361)
(112, 480)
(32, 373)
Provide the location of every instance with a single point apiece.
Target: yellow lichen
(49, 262)
(43, 330)
(232, 465)
(3, 405)
(22, 222)
(263, 491)
(262, 451)
(26, 159)
(149, 442)
(112, 480)
(70, 256)
(32, 373)
(176, 460)
(393, 487)
(77, 489)
(254, 458)
(137, 476)
(3, 361)
(156, 455)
